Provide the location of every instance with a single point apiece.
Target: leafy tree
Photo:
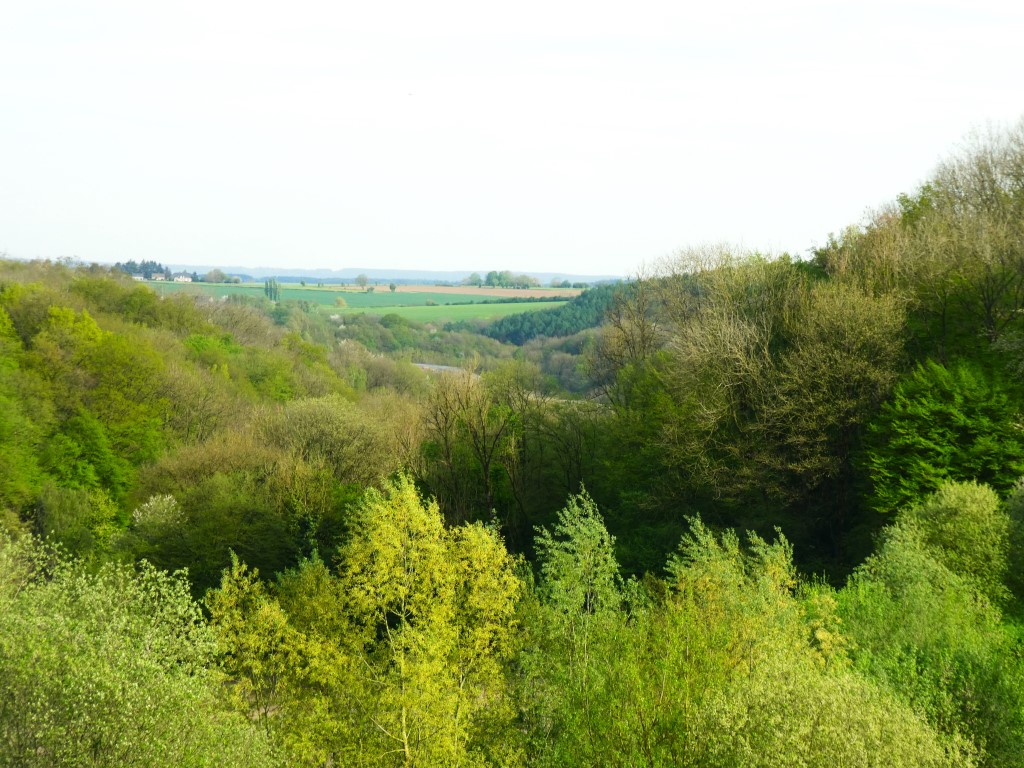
(942, 423)
(402, 653)
(579, 576)
(432, 622)
(256, 639)
(920, 630)
(954, 246)
(112, 667)
(770, 682)
(215, 276)
(272, 289)
(580, 596)
(967, 530)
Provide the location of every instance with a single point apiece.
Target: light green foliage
(270, 492)
(777, 689)
(23, 422)
(726, 663)
(942, 424)
(1015, 512)
(108, 668)
(747, 596)
(80, 455)
(256, 640)
(579, 658)
(116, 379)
(788, 715)
(967, 530)
(431, 625)
(928, 635)
(579, 576)
(398, 659)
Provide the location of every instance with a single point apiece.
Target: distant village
(152, 270)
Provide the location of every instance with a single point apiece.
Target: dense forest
(745, 509)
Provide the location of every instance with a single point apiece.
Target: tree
(469, 429)
(927, 634)
(771, 375)
(272, 289)
(570, 653)
(255, 639)
(942, 423)
(968, 531)
(579, 574)
(396, 660)
(393, 287)
(215, 276)
(109, 666)
(362, 281)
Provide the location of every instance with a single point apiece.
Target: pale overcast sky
(582, 137)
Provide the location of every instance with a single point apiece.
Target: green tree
(215, 276)
(571, 660)
(926, 634)
(272, 289)
(435, 613)
(399, 659)
(966, 528)
(942, 423)
(109, 667)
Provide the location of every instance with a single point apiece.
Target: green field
(381, 297)
(421, 307)
(425, 314)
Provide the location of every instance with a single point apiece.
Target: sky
(583, 137)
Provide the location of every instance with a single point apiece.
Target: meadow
(418, 303)
(454, 312)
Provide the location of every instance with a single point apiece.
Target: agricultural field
(415, 302)
(453, 312)
(483, 290)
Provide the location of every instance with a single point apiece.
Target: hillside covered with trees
(747, 509)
